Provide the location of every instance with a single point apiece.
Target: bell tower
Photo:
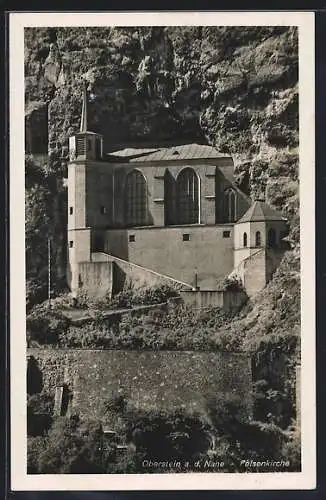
(85, 147)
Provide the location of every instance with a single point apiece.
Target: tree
(71, 449)
(166, 435)
(45, 325)
(38, 199)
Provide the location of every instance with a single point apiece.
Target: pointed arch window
(271, 238)
(229, 205)
(245, 239)
(136, 208)
(258, 239)
(188, 197)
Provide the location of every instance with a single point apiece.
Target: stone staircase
(140, 275)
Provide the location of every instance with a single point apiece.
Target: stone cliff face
(232, 87)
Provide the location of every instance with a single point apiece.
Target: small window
(71, 244)
(186, 237)
(132, 237)
(283, 234)
(103, 210)
(71, 210)
(258, 239)
(226, 234)
(81, 145)
(245, 239)
(271, 238)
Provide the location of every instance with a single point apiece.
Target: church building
(163, 215)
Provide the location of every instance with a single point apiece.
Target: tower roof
(260, 211)
(83, 120)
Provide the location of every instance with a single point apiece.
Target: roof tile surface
(261, 211)
(183, 152)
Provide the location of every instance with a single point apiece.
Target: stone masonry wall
(148, 379)
(213, 298)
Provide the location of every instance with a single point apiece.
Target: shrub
(123, 299)
(232, 284)
(259, 440)
(35, 447)
(179, 328)
(36, 291)
(291, 451)
(44, 325)
(85, 301)
(155, 295)
(127, 463)
(89, 335)
(273, 405)
(70, 448)
(116, 403)
(82, 299)
(127, 298)
(75, 446)
(166, 435)
(245, 438)
(227, 413)
(130, 297)
(62, 301)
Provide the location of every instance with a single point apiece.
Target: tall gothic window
(258, 239)
(245, 239)
(169, 199)
(136, 199)
(229, 205)
(271, 238)
(187, 197)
